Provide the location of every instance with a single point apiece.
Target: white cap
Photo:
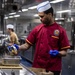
(43, 6)
(10, 26)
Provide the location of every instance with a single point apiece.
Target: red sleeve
(64, 42)
(31, 37)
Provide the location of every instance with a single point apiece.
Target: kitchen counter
(15, 70)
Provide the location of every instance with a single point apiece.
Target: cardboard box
(40, 71)
(46, 73)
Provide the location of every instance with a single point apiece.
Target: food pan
(11, 60)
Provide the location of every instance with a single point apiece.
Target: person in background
(50, 40)
(13, 38)
(10, 41)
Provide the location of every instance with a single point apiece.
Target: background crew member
(13, 38)
(50, 39)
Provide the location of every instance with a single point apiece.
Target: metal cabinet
(68, 63)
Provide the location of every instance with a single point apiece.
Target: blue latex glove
(9, 48)
(17, 47)
(53, 52)
(14, 46)
(13, 50)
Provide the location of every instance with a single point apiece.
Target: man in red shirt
(50, 39)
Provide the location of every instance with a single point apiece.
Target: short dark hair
(11, 29)
(49, 11)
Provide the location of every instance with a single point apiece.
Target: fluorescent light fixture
(63, 11)
(59, 23)
(72, 19)
(59, 18)
(33, 7)
(12, 13)
(23, 10)
(19, 11)
(11, 16)
(16, 15)
(5, 17)
(2, 5)
(36, 15)
(68, 20)
(56, 1)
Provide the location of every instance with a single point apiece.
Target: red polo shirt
(48, 38)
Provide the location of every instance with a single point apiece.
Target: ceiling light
(5, 17)
(12, 13)
(19, 11)
(59, 18)
(33, 7)
(11, 16)
(63, 11)
(2, 5)
(56, 1)
(72, 19)
(16, 15)
(36, 15)
(23, 10)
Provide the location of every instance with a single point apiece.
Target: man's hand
(53, 52)
(16, 46)
(13, 50)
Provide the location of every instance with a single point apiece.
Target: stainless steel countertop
(23, 71)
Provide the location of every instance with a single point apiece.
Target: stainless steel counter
(23, 71)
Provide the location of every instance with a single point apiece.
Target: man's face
(44, 18)
(8, 30)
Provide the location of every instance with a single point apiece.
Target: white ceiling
(65, 5)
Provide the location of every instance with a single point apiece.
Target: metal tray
(11, 60)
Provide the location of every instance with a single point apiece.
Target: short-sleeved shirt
(14, 38)
(46, 38)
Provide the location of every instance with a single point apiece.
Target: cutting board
(10, 67)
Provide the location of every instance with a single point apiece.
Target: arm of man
(24, 46)
(63, 52)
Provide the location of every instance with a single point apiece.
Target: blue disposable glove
(13, 49)
(17, 47)
(14, 46)
(9, 48)
(53, 52)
